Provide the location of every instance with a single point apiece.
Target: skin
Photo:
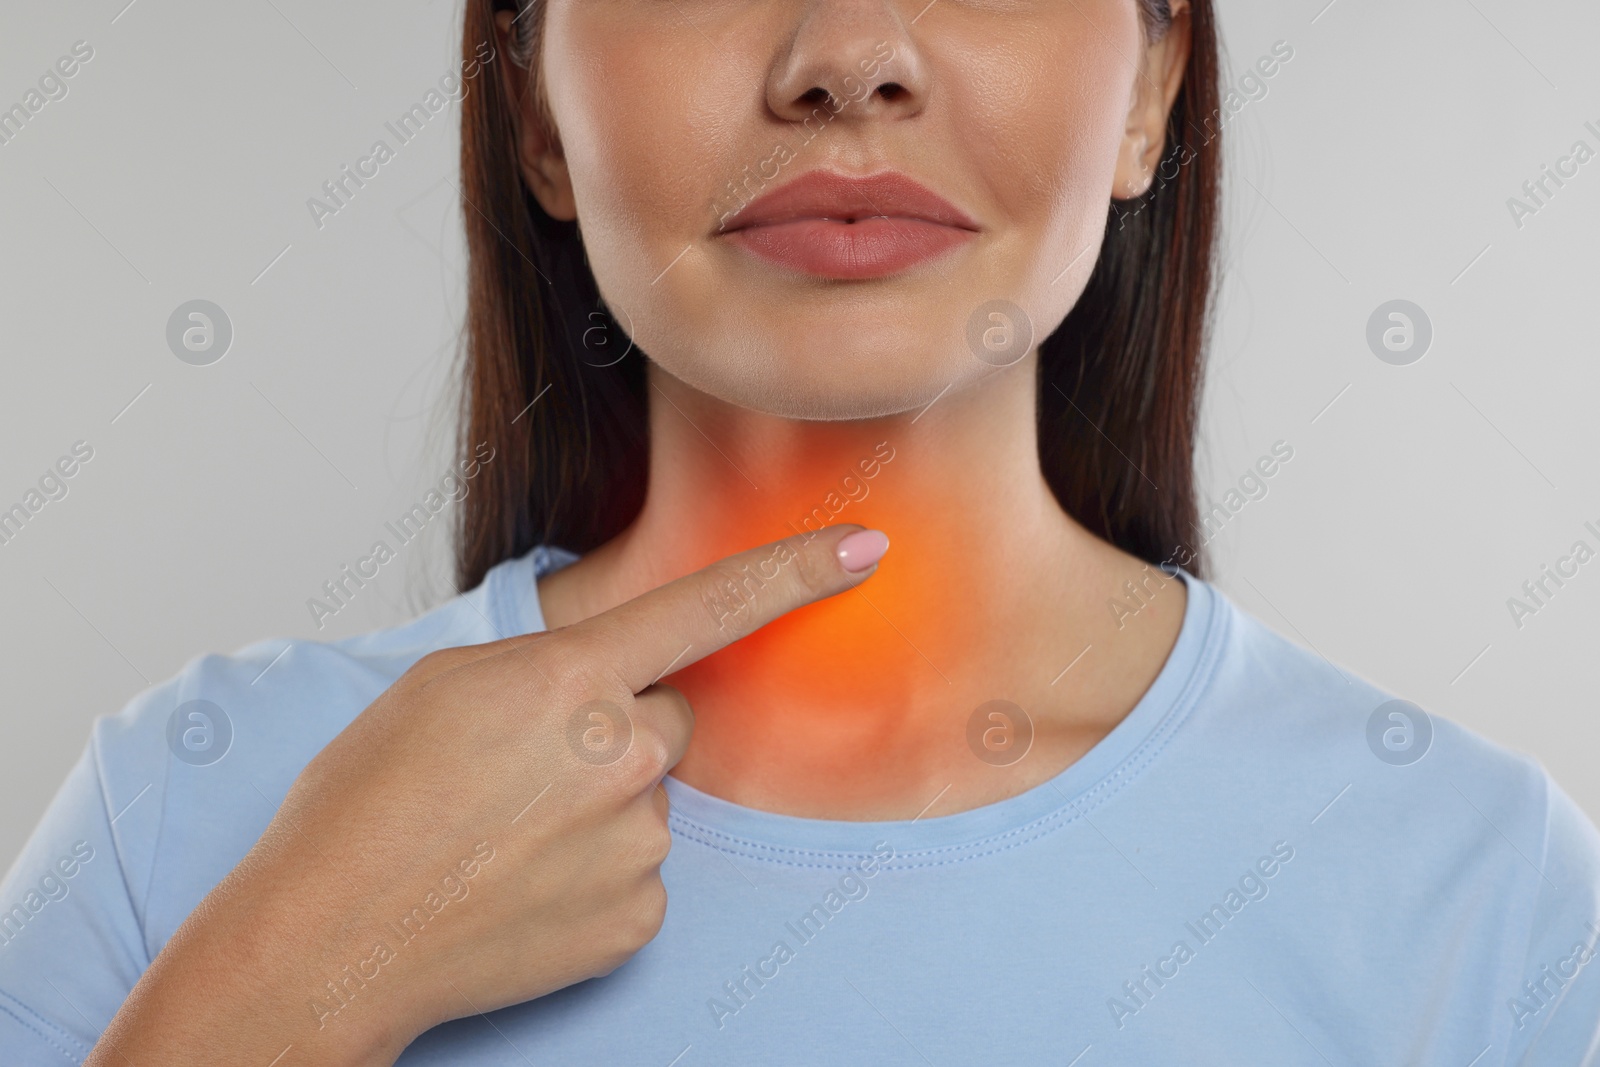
(822, 696)
(768, 387)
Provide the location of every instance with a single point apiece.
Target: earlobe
(551, 185)
(1136, 166)
(539, 157)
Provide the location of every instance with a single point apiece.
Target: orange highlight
(858, 706)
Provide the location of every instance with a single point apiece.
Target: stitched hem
(1219, 629)
(44, 1028)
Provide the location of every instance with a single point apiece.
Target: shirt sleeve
(137, 835)
(71, 946)
(1555, 1011)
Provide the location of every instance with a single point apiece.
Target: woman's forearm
(246, 980)
(324, 939)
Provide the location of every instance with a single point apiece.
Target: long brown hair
(1119, 380)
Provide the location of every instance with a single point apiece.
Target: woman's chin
(836, 385)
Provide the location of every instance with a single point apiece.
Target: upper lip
(825, 194)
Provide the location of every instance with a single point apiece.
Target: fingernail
(862, 549)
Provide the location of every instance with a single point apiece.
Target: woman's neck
(858, 707)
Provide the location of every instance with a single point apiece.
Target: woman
(757, 287)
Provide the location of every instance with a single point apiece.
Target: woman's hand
(490, 829)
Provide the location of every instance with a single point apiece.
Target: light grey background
(1377, 166)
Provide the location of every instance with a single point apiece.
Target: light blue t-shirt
(1254, 867)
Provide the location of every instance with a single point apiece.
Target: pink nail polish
(862, 549)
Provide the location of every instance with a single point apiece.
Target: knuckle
(633, 923)
(677, 707)
(645, 915)
(647, 839)
(724, 598)
(431, 663)
(646, 850)
(813, 568)
(586, 658)
(672, 694)
(654, 751)
(660, 845)
(645, 762)
(427, 660)
(572, 667)
(434, 671)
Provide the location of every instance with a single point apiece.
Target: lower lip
(870, 248)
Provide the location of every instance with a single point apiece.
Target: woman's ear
(1144, 140)
(539, 154)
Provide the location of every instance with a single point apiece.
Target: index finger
(693, 616)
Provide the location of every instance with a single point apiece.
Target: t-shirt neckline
(1111, 765)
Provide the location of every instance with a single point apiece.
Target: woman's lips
(869, 248)
(834, 225)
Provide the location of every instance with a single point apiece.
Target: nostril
(892, 91)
